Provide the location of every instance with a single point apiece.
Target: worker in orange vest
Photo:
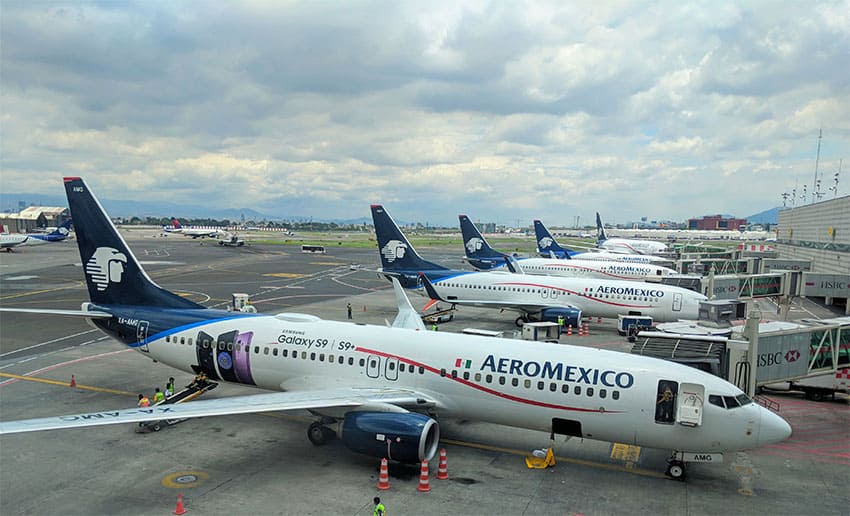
(144, 401)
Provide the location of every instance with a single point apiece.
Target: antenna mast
(816, 183)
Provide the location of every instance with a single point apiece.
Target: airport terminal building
(819, 232)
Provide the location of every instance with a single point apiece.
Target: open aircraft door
(690, 401)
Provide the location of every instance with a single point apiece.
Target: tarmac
(264, 464)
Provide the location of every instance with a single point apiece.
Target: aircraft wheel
(157, 428)
(522, 319)
(319, 434)
(676, 470)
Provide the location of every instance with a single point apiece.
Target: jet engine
(403, 437)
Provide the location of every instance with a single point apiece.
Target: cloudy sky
(505, 110)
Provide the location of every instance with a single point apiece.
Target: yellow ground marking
(326, 263)
(625, 452)
(65, 384)
(185, 479)
(284, 275)
(612, 467)
(34, 292)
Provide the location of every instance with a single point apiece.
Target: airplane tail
(478, 252)
(600, 229)
(546, 244)
(113, 275)
(62, 230)
(176, 223)
(396, 252)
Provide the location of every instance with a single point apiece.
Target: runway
(264, 464)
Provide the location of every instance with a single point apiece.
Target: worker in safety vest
(144, 401)
(380, 510)
(169, 388)
(158, 396)
(560, 321)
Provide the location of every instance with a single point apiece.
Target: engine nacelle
(572, 316)
(403, 437)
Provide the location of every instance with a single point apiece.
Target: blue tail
(397, 255)
(113, 275)
(57, 235)
(479, 254)
(600, 230)
(546, 244)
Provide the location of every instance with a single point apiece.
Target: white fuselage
(595, 297)
(620, 257)
(611, 396)
(625, 245)
(576, 268)
(8, 240)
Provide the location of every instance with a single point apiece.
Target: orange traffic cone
(179, 509)
(73, 382)
(586, 330)
(384, 476)
(570, 330)
(424, 484)
(443, 469)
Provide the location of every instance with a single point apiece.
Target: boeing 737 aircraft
(548, 247)
(384, 388)
(626, 245)
(176, 227)
(483, 257)
(534, 297)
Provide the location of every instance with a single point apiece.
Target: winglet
(429, 287)
(513, 265)
(407, 316)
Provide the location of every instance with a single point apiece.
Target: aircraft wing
(71, 313)
(382, 399)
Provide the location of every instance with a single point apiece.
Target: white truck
(817, 388)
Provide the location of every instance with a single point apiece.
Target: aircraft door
(553, 294)
(142, 335)
(689, 404)
(373, 366)
(391, 369)
(677, 302)
(665, 402)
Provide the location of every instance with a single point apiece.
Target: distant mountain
(770, 216)
(152, 208)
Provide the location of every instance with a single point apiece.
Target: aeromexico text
(558, 371)
(630, 291)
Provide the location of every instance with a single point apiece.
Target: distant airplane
(547, 246)
(385, 388)
(8, 241)
(534, 297)
(483, 257)
(176, 227)
(626, 245)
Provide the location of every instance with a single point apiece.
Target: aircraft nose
(773, 429)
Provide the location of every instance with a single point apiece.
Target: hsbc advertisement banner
(826, 285)
(782, 356)
(725, 288)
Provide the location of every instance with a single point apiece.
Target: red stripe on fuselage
(481, 387)
(576, 293)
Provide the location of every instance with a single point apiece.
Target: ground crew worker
(144, 401)
(560, 321)
(349, 310)
(169, 388)
(380, 510)
(158, 396)
(434, 327)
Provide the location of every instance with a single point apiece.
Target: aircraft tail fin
(600, 229)
(478, 252)
(396, 252)
(546, 244)
(113, 275)
(176, 223)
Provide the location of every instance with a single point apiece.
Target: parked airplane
(384, 387)
(548, 247)
(176, 227)
(535, 297)
(626, 245)
(10, 240)
(483, 257)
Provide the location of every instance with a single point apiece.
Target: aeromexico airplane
(548, 247)
(535, 297)
(11, 240)
(480, 255)
(626, 245)
(384, 388)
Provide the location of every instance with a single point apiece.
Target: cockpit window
(743, 399)
(731, 401)
(714, 399)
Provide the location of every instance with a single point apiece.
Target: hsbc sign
(783, 355)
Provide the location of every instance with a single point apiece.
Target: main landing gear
(675, 467)
(522, 319)
(319, 434)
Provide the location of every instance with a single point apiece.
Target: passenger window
(577, 390)
(391, 364)
(488, 378)
(362, 362)
(477, 377)
(589, 391)
(256, 350)
(565, 389)
(443, 373)
(265, 351)
(421, 370)
(527, 383)
(189, 341)
(501, 380)
(553, 387)
(331, 359)
(454, 373)
(615, 395)
(540, 385)
(515, 382)
(466, 375)
(312, 356)
(284, 353)
(603, 393)
(274, 351)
